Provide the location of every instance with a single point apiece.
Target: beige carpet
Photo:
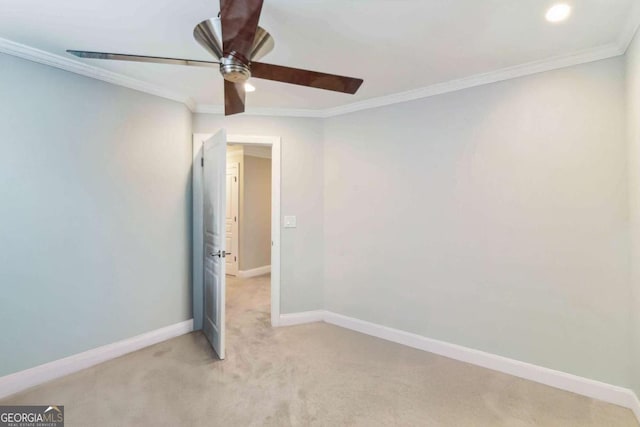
(314, 374)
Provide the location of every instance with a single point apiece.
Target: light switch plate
(290, 222)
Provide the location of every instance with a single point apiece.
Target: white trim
(276, 160)
(256, 151)
(245, 274)
(58, 61)
(561, 380)
(263, 111)
(23, 380)
(535, 67)
(301, 318)
(254, 140)
(629, 30)
(635, 405)
(508, 73)
(589, 55)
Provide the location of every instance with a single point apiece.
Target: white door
(233, 194)
(214, 169)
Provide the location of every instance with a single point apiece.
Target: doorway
(248, 218)
(253, 143)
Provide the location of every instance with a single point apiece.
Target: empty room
(320, 213)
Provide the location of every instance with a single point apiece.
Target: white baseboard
(23, 380)
(635, 405)
(245, 274)
(300, 318)
(557, 379)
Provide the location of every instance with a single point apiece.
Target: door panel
(214, 201)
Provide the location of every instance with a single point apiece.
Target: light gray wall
(302, 195)
(255, 222)
(633, 122)
(509, 204)
(95, 204)
(495, 218)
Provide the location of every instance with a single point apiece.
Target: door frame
(235, 247)
(198, 264)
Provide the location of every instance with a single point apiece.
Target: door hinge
(202, 161)
(236, 178)
(235, 219)
(235, 259)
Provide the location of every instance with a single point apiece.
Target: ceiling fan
(237, 41)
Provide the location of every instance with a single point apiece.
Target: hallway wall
(255, 220)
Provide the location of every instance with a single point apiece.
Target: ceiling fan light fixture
(558, 12)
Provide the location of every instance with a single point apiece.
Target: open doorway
(212, 220)
(248, 212)
(248, 235)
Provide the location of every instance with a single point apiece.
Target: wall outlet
(290, 222)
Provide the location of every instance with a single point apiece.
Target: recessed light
(248, 87)
(558, 12)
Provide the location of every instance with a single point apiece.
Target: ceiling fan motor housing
(234, 70)
(209, 34)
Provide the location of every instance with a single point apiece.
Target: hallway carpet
(314, 374)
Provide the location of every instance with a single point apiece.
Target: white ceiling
(394, 45)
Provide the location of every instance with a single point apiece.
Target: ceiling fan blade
(141, 58)
(300, 77)
(239, 25)
(234, 96)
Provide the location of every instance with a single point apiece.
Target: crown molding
(58, 61)
(630, 29)
(261, 111)
(603, 52)
(191, 104)
(208, 109)
(563, 61)
(590, 55)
